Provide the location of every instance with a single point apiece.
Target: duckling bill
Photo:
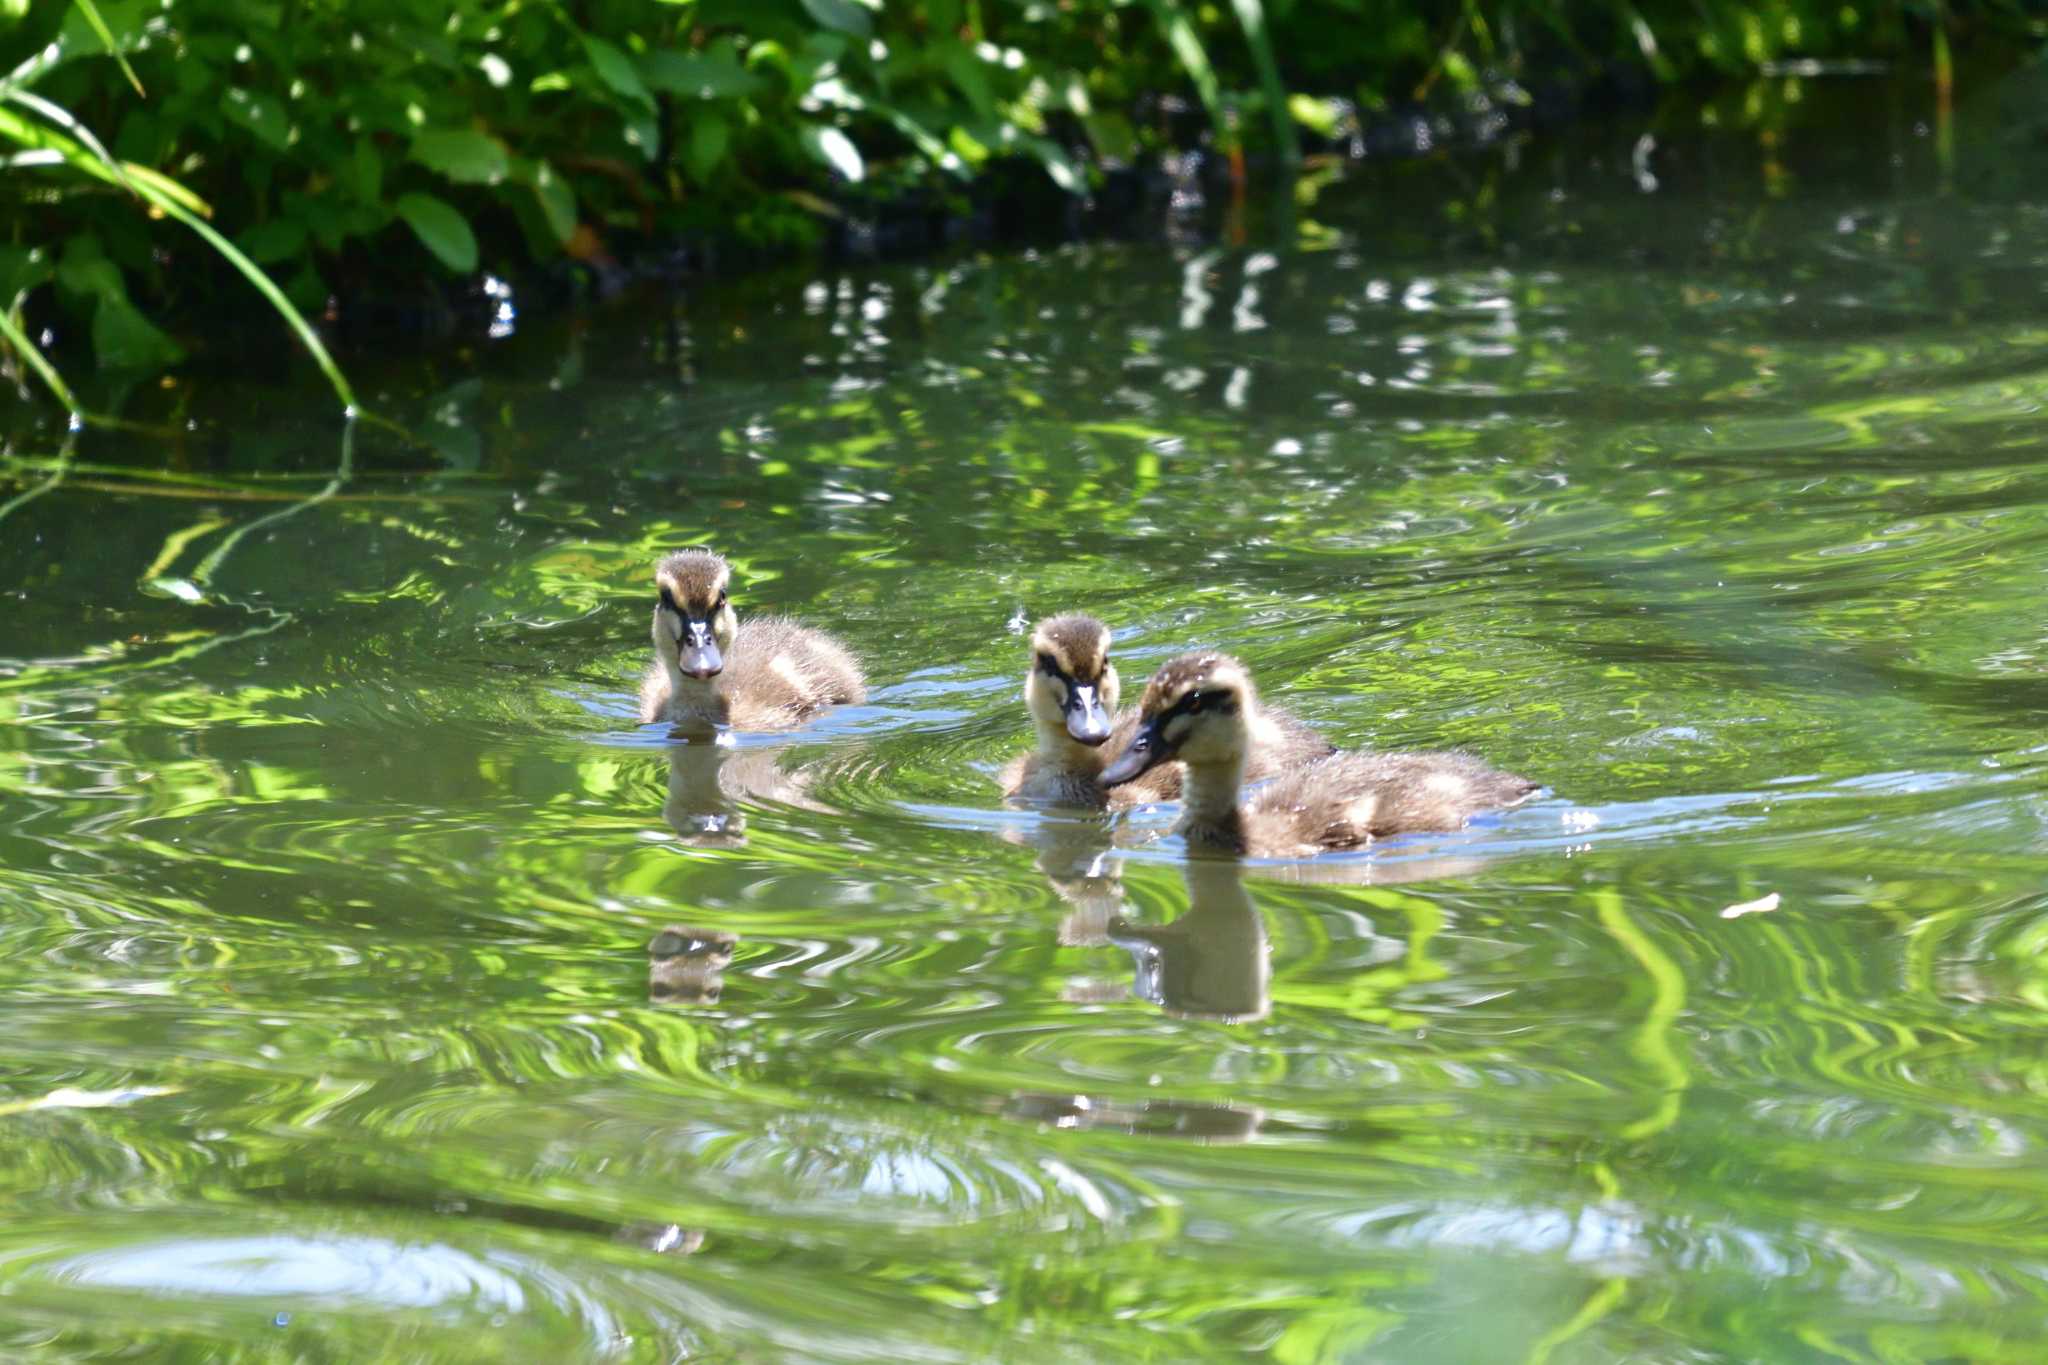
(710, 669)
(1071, 691)
(1199, 709)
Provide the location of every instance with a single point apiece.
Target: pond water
(377, 988)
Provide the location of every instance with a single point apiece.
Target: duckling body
(1071, 692)
(1199, 709)
(709, 670)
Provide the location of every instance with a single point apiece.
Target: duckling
(1201, 709)
(711, 784)
(710, 670)
(1071, 692)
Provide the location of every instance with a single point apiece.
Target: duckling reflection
(1158, 1118)
(709, 782)
(1079, 862)
(663, 1239)
(687, 966)
(1211, 963)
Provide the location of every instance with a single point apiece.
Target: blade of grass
(1194, 59)
(168, 186)
(87, 154)
(343, 472)
(264, 285)
(1251, 15)
(63, 118)
(40, 363)
(99, 26)
(31, 68)
(63, 467)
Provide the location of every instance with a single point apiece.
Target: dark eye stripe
(1196, 701)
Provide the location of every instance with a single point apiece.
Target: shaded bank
(364, 151)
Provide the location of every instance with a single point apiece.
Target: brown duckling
(709, 670)
(1201, 709)
(1071, 692)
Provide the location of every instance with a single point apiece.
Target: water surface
(1695, 471)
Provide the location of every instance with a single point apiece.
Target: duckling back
(780, 672)
(1346, 800)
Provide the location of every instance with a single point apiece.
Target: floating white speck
(1761, 905)
(67, 1098)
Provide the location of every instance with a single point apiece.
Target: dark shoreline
(1181, 195)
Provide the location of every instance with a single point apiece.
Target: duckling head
(1198, 709)
(693, 622)
(1072, 684)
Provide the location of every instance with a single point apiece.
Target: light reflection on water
(344, 899)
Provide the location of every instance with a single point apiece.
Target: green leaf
(923, 139)
(1115, 140)
(364, 172)
(259, 113)
(1458, 71)
(306, 290)
(557, 201)
(835, 149)
(843, 15)
(1319, 116)
(1057, 163)
(615, 70)
(22, 268)
(967, 146)
(275, 240)
(709, 75)
(969, 75)
(123, 339)
(464, 155)
(643, 134)
(86, 270)
(440, 229)
(710, 136)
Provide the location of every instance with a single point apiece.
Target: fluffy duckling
(1201, 709)
(710, 670)
(1071, 692)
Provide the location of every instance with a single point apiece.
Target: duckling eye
(719, 605)
(667, 598)
(1049, 664)
(1195, 702)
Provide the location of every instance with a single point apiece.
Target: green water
(333, 855)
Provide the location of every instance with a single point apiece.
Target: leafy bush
(339, 143)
